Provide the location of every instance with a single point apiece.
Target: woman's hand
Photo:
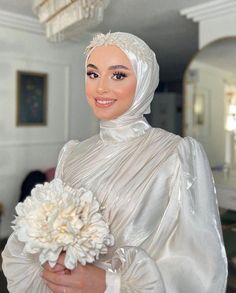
(83, 279)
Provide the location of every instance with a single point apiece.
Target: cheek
(132, 89)
(89, 94)
(127, 91)
(89, 89)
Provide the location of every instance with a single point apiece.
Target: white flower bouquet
(57, 218)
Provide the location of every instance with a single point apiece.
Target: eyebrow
(92, 65)
(112, 67)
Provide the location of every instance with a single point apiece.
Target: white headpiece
(144, 63)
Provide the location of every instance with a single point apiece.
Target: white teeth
(104, 102)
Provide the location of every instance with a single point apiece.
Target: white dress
(159, 198)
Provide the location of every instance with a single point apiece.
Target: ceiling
(158, 22)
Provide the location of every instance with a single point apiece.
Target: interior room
(195, 45)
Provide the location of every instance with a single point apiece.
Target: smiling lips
(104, 103)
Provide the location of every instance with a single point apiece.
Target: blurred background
(42, 100)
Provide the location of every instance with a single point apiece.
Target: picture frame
(201, 111)
(31, 95)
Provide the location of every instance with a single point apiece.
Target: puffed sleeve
(23, 270)
(186, 253)
(64, 153)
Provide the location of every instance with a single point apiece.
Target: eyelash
(116, 75)
(92, 74)
(120, 74)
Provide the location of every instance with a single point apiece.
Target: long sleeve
(22, 270)
(136, 272)
(165, 219)
(186, 254)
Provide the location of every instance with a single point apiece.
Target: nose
(103, 85)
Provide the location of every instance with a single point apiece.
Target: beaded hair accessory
(124, 41)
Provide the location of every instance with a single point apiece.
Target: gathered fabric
(159, 199)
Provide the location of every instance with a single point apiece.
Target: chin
(106, 116)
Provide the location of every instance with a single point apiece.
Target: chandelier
(63, 19)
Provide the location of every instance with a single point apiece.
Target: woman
(156, 189)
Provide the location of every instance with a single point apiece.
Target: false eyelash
(90, 73)
(122, 74)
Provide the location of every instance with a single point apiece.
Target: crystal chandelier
(65, 18)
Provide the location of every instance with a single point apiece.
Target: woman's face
(110, 82)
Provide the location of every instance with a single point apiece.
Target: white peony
(58, 218)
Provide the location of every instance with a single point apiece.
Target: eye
(92, 74)
(119, 75)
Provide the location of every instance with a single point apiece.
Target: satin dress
(159, 198)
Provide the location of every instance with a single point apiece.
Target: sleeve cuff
(112, 282)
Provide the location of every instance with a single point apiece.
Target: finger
(56, 268)
(58, 289)
(61, 259)
(57, 279)
(64, 272)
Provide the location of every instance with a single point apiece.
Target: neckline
(113, 132)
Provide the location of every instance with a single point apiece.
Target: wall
(23, 149)
(166, 112)
(217, 27)
(210, 83)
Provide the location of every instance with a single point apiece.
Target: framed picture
(201, 111)
(31, 98)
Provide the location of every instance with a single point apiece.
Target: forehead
(108, 55)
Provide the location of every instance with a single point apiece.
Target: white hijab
(145, 65)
